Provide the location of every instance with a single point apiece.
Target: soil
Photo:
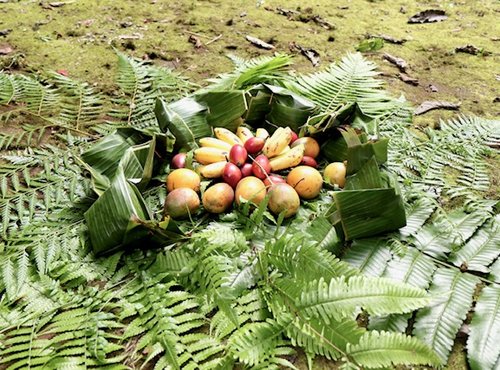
(194, 37)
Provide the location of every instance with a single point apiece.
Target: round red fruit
(254, 145)
(231, 175)
(261, 166)
(294, 137)
(179, 160)
(309, 161)
(273, 180)
(238, 155)
(246, 170)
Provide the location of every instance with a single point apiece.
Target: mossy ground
(80, 37)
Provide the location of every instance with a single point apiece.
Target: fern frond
(254, 343)
(352, 80)
(80, 104)
(340, 298)
(304, 261)
(481, 250)
(482, 345)
(376, 350)
(369, 255)
(438, 324)
(414, 268)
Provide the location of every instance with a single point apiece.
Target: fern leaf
(438, 324)
(305, 261)
(369, 255)
(340, 298)
(376, 350)
(254, 342)
(414, 268)
(482, 249)
(352, 80)
(482, 345)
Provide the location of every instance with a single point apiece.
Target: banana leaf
(326, 120)
(259, 105)
(368, 212)
(186, 119)
(224, 108)
(356, 149)
(112, 219)
(368, 177)
(280, 106)
(105, 155)
(123, 151)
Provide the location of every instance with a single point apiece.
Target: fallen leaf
(259, 43)
(57, 4)
(370, 45)
(134, 36)
(430, 105)
(5, 32)
(6, 49)
(63, 72)
(471, 49)
(398, 62)
(195, 41)
(305, 17)
(432, 88)
(428, 16)
(387, 38)
(309, 53)
(408, 79)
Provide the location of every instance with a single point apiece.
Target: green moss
(80, 37)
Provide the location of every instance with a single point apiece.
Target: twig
(214, 39)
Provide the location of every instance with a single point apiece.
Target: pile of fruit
(244, 167)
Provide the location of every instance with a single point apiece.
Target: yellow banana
(225, 135)
(291, 158)
(215, 143)
(207, 155)
(287, 148)
(277, 142)
(262, 133)
(213, 170)
(244, 133)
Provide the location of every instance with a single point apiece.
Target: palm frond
(251, 72)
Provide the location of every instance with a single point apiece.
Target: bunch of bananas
(215, 152)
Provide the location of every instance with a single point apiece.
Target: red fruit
(238, 155)
(294, 137)
(261, 166)
(231, 175)
(179, 160)
(254, 145)
(309, 161)
(273, 179)
(246, 170)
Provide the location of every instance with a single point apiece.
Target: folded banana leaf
(224, 108)
(127, 151)
(355, 148)
(369, 212)
(186, 119)
(112, 219)
(279, 106)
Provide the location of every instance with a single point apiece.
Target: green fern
(438, 324)
(482, 345)
(376, 350)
